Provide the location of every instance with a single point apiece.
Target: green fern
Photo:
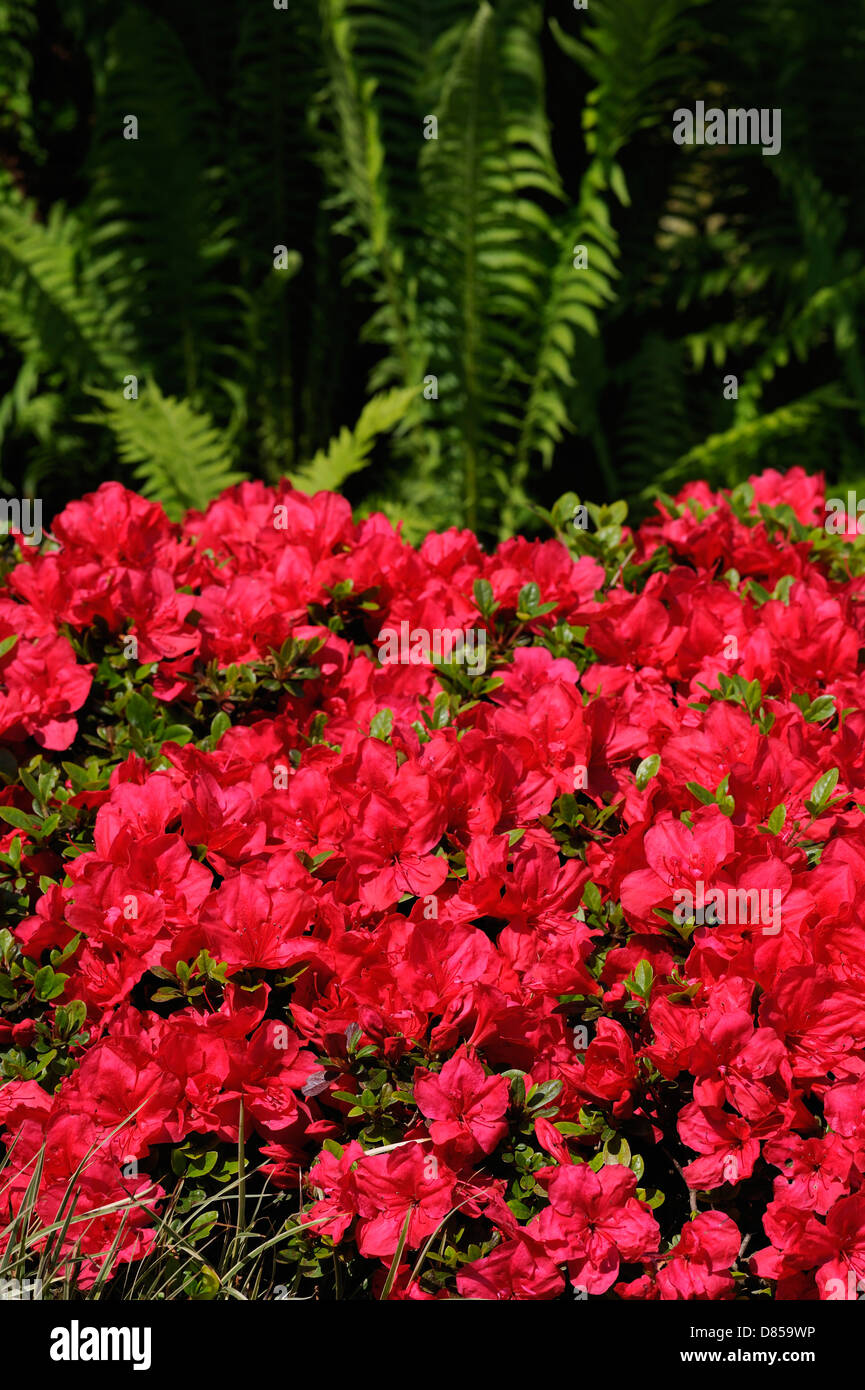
(411, 259)
(52, 305)
(350, 451)
(728, 457)
(64, 331)
(177, 453)
(490, 251)
(655, 426)
(165, 258)
(356, 165)
(18, 24)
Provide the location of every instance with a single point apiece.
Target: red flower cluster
(522, 965)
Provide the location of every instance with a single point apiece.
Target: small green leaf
(543, 1093)
(43, 982)
(617, 1151)
(382, 725)
(777, 818)
(652, 1196)
(820, 709)
(484, 597)
(592, 898)
(647, 769)
(139, 712)
(643, 978)
(528, 599)
(823, 789)
(220, 724)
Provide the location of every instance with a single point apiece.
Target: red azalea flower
(407, 1184)
(465, 1105)
(593, 1222)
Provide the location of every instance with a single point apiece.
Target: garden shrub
(529, 974)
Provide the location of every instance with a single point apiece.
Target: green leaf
(47, 985)
(592, 898)
(647, 769)
(643, 978)
(617, 1151)
(220, 725)
(519, 1209)
(777, 818)
(382, 725)
(652, 1196)
(484, 597)
(816, 711)
(528, 599)
(139, 712)
(823, 789)
(518, 1091)
(543, 1094)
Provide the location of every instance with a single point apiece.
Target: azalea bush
(329, 976)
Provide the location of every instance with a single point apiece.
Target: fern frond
(176, 452)
(51, 303)
(654, 427)
(277, 68)
(403, 52)
(634, 52)
(63, 331)
(18, 23)
(350, 450)
(355, 163)
(728, 457)
(717, 341)
(490, 248)
(572, 310)
(631, 50)
(159, 233)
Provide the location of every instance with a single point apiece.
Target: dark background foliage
(407, 257)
